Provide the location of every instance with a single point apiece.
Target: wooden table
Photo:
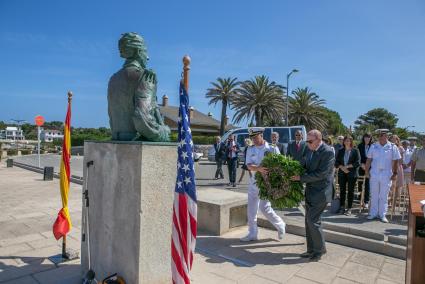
(415, 264)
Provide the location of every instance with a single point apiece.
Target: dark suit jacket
(362, 150)
(220, 150)
(227, 149)
(293, 153)
(319, 174)
(281, 148)
(354, 160)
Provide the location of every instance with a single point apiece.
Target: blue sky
(355, 54)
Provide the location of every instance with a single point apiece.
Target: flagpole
(186, 69)
(64, 253)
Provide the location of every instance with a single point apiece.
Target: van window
(267, 134)
(241, 139)
(239, 131)
(283, 134)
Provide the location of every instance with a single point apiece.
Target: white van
(286, 135)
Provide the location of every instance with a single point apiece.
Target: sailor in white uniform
(254, 156)
(383, 156)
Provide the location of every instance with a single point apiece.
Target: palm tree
(259, 100)
(223, 90)
(306, 108)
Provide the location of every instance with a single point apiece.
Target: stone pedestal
(131, 191)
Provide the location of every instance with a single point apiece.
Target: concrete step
(350, 237)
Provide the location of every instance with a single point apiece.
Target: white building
(48, 135)
(12, 133)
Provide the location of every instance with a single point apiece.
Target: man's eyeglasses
(310, 141)
(297, 135)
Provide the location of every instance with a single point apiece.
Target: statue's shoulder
(127, 74)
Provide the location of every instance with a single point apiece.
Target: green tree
(334, 122)
(258, 99)
(306, 108)
(2, 125)
(377, 118)
(30, 131)
(222, 91)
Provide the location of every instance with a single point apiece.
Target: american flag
(185, 207)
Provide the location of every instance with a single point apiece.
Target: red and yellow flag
(63, 224)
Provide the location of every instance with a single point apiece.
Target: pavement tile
(14, 272)
(336, 257)
(209, 278)
(5, 217)
(279, 273)
(228, 270)
(359, 273)
(395, 261)
(257, 279)
(37, 244)
(368, 258)
(319, 272)
(11, 250)
(20, 239)
(29, 215)
(340, 280)
(64, 274)
(299, 280)
(23, 280)
(384, 281)
(35, 255)
(393, 272)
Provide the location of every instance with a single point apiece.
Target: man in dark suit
(275, 142)
(232, 150)
(297, 148)
(319, 162)
(219, 157)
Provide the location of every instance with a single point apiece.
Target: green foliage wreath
(276, 185)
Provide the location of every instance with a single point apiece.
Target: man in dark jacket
(219, 157)
(275, 142)
(319, 164)
(297, 148)
(232, 150)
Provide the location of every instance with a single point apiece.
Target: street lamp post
(287, 94)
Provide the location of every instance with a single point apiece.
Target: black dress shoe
(306, 254)
(315, 256)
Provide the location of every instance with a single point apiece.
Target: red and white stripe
(183, 237)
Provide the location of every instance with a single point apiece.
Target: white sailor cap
(412, 138)
(382, 131)
(253, 131)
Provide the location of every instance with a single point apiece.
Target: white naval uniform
(254, 156)
(380, 176)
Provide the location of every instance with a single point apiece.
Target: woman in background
(348, 162)
(364, 147)
(400, 174)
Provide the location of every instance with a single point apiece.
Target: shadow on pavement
(18, 269)
(232, 250)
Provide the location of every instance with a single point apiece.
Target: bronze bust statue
(132, 108)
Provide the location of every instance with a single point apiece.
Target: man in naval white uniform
(254, 156)
(383, 156)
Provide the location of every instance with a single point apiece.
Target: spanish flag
(63, 224)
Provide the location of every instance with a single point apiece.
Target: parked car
(286, 135)
(197, 154)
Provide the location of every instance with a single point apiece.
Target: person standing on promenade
(319, 175)
(382, 168)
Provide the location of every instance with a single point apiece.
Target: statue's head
(132, 46)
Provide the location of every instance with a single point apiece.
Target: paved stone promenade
(29, 205)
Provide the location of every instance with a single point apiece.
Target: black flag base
(69, 255)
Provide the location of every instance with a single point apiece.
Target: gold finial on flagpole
(186, 68)
(69, 96)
